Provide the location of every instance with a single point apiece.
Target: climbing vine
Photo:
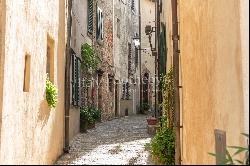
(167, 87)
(90, 61)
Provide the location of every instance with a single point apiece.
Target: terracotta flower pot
(91, 125)
(152, 121)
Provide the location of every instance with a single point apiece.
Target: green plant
(89, 57)
(86, 114)
(163, 146)
(51, 93)
(96, 114)
(167, 88)
(228, 159)
(145, 107)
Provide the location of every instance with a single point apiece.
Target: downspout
(176, 53)
(156, 31)
(140, 58)
(67, 77)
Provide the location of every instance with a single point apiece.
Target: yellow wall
(2, 40)
(31, 133)
(211, 66)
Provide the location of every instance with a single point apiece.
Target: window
(118, 27)
(76, 64)
(26, 84)
(125, 91)
(99, 28)
(136, 57)
(50, 59)
(111, 83)
(129, 60)
(133, 5)
(90, 16)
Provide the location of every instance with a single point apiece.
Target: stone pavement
(117, 142)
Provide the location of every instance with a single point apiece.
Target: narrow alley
(121, 141)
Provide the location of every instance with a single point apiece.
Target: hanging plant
(51, 93)
(90, 61)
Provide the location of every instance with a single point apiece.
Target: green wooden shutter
(75, 80)
(90, 16)
(163, 51)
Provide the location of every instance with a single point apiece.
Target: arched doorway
(146, 88)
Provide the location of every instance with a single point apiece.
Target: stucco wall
(129, 25)
(78, 37)
(148, 61)
(167, 17)
(31, 133)
(2, 40)
(244, 26)
(211, 65)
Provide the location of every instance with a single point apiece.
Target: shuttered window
(133, 5)
(136, 57)
(76, 64)
(90, 16)
(129, 60)
(99, 28)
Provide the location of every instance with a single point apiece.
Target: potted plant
(96, 115)
(86, 119)
(152, 121)
(145, 108)
(92, 118)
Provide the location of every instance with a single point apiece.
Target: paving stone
(118, 142)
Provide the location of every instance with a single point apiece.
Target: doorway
(116, 98)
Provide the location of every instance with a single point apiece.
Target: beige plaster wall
(148, 61)
(167, 17)
(2, 40)
(78, 37)
(211, 65)
(244, 26)
(31, 133)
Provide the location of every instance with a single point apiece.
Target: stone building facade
(32, 36)
(126, 26)
(103, 43)
(148, 17)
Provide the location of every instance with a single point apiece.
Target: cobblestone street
(120, 142)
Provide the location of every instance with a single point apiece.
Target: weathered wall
(32, 133)
(148, 61)
(211, 60)
(2, 41)
(78, 37)
(167, 17)
(129, 25)
(105, 52)
(244, 29)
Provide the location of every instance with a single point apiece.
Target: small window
(133, 5)
(26, 84)
(99, 33)
(118, 27)
(111, 83)
(50, 59)
(90, 16)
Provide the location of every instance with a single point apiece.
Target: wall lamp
(149, 30)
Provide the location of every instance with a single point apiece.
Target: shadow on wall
(44, 113)
(56, 140)
(2, 53)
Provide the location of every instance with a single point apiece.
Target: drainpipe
(67, 78)
(140, 58)
(176, 54)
